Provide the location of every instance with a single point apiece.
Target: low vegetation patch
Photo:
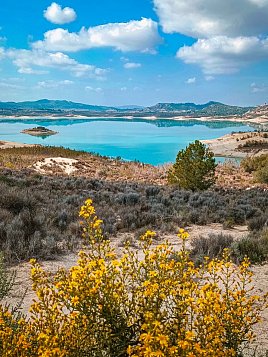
(254, 246)
(38, 214)
(253, 145)
(257, 165)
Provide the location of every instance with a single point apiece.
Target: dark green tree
(194, 168)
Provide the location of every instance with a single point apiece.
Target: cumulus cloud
(141, 36)
(255, 88)
(191, 80)
(209, 78)
(208, 18)
(230, 33)
(58, 15)
(29, 62)
(53, 84)
(221, 54)
(2, 52)
(131, 65)
(6, 85)
(91, 89)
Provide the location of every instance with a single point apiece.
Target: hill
(56, 107)
(45, 104)
(208, 109)
(258, 114)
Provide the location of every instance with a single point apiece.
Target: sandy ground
(11, 144)
(50, 164)
(228, 145)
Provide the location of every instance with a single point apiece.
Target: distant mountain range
(45, 104)
(63, 107)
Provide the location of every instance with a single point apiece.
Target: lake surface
(149, 141)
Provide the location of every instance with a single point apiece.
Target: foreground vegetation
(157, 305)
(38, 214)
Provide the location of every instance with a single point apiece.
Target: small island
(39, 131)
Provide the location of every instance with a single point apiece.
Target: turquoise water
(149, 141)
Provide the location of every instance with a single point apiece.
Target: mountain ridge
(210, 108)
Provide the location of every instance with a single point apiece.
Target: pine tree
(194, 168)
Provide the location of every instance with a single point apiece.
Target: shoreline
(248, 121)
(12, 144)
(238, 145)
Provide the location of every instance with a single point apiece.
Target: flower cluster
(114, 305)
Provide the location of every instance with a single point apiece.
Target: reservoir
(148, 141)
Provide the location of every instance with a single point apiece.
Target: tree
(194, 168)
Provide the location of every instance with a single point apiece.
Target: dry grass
(229, 174)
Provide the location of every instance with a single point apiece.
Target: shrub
(7, 280)
(257, 223)
(212, 246)
(254, 246)
(41, 211)
(158, 305)
(261, 175)
(258, 165)
(194, 168)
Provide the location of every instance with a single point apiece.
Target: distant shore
(11, 144)
(258, 121)
(239, 145)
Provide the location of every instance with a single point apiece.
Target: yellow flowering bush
(157, 304)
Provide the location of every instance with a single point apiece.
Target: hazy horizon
(136, 51)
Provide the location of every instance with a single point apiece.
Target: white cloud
(53, 84)
(57, 15)
(10, 85)
(91, 89)
(124, 59)
(141, 36)
(29, 62)
(2, 52)
(255, 88)
(223, 55)
(131, 65)
(208, 18)
(191, 80)
(209, 78)
(123, 89)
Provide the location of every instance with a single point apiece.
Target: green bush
(251, 164)
(261, 175)
(257, 165)
(194, 168)
(211, 246)
(254, 246)
(6, 280)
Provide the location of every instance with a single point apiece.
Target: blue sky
(134, 51)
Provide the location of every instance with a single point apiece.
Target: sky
(137, 52)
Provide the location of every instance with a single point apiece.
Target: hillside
(59, 107)
(45, 104)
(208, 109)
(258, 114)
